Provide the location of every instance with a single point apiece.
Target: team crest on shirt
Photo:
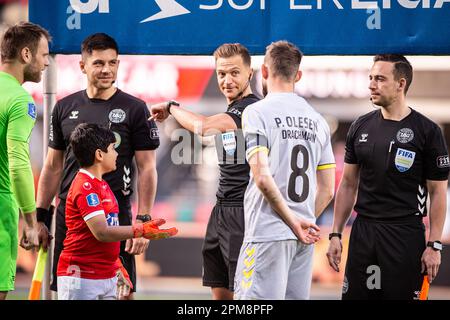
(112, 219)
(404, 159)
(117, 116)
(32, 110)
(87, 186)
(405, 135)
(229, 142)
(92, 200)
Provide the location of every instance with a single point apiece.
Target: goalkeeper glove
(150, 230)
(124, 284)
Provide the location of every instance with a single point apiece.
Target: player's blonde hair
(228, 50)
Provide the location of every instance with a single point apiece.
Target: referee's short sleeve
(56, 136)
(145, 133)
(350, 155)
(236, 115)
(437, 162)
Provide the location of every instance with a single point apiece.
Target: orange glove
(124, 284)
(150, 230)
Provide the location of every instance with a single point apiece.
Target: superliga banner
(199, 26)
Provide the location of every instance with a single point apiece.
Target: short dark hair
(402, 67)
(98, 41)
(283, 59)
(19, 36)
(86, 138)
(228, 50)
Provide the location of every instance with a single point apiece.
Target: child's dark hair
(86, 139)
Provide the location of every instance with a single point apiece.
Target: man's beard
(31, 73)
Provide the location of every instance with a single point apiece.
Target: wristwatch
(335, 234)
(435, 245)
(143, 217)
(172, 103)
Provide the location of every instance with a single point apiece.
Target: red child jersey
(83, 255)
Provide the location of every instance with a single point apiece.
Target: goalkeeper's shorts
(9, 221)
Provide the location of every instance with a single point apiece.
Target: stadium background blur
(335, 86)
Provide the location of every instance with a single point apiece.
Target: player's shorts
(125, 219)
(384, 259)
(274, 270)
(223, 241)
(75, 288)
(9, 224)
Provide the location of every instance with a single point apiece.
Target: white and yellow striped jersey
(297, 140)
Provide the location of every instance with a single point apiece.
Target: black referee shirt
(124, 114)
(395, 159)
(234, 169)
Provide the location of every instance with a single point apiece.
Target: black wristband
(335, 234)
(45, 216)
(171, 103)
(144, 217)
(41, 214)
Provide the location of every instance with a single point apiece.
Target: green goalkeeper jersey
(17, 118)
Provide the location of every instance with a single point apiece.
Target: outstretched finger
(157, 222)
(314, 227)
(171, 231)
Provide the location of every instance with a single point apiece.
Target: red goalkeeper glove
(124, 284)
(150, 230)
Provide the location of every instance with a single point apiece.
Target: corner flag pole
(49, 94)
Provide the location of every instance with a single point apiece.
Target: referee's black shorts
(390, 249)
(125, 218)
(223, 241)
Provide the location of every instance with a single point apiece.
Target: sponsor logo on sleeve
(235, 111)
(32, 110)
(404, 159)
(443, 161)
(112, 219)
(251, 141)
(92, 200)
(154, 133)
(405, 135)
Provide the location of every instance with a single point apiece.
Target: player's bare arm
(149, 230)
(306, 232)
(431, 259)
(343, 205)
(325, 189)
(50, 177)
(194, 122)
(147, 180)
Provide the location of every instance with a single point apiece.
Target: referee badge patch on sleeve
(154, 133)
(32, 110)
(443, 161)
(92, 200)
